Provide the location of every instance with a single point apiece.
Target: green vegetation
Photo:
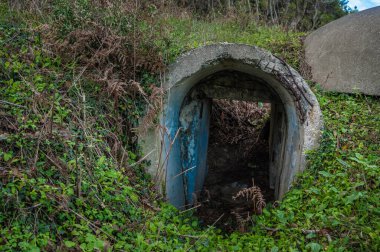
(187, 34)
(70, 176)
(295, 14)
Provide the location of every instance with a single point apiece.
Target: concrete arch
(232, 71)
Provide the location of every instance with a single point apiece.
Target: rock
(344, 55)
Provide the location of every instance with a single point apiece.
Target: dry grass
(108, 54)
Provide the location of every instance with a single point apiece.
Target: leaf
(274, 249)
(281, 216)
(325, 174)
(311, 235)
(8, 156)
(134, 197)
(314, 247)
(152, 227)
(34, 249)
(358, 155)
(69, 244)
(343, 162)
(354, 196)
(194, 223)
(313, 190)
(99, 244)
(101, 161)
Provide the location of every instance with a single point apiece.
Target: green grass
(187, 34)
(68, 178)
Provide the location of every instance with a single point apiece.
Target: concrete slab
(344, 55)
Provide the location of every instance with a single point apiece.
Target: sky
(363, 4)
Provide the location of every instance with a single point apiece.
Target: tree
(292, 14)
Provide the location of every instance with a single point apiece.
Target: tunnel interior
(237, 158)
(231, 139)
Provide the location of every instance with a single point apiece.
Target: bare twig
(318, 231)
(191, 168)
(142, 159)
(170, 148)
(191, 208)
(12, 104)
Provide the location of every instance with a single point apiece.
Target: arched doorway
(237, 72)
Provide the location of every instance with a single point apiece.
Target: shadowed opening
(238, 156)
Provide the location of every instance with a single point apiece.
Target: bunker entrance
(178, 149)
(237, 162)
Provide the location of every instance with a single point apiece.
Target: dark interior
(238, 156)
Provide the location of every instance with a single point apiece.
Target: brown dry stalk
(154, 107)
(254, 195)
(241, 221)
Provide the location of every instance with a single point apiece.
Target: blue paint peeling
(194, 120)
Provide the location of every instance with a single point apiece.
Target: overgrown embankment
(74, 82)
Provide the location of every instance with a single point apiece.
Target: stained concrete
(344, 55)
(179, 146)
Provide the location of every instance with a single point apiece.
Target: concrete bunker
(234, 72)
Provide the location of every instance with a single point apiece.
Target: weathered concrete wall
(272, 79)
(344, 55)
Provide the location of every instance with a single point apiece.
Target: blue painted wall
(194, 121)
